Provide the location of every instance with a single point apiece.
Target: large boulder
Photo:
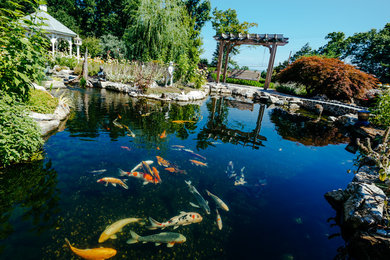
(364, 206)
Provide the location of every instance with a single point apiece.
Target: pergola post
(271, 62)
(220, 55)
(229, 49)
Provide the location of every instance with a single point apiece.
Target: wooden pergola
(271, 41)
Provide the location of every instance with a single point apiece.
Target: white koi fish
(218, 201)
(185, 218)
(115, 227)
(219, 220)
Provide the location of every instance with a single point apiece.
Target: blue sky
(301, 21)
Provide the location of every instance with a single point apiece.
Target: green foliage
(112, 47)
(19, 135)
(22, 58)
(381, 110)
(83, 82)
(41, 102)
(158, 30)
(328, 76)
(199, 11)
(65, 61)
(93, 45)
(336, 45)
(291, 89)
(241, 81)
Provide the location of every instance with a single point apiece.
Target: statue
(169, 74)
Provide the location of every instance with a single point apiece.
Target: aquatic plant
(41, 102)
(380, 155)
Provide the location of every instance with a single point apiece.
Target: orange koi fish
(126, 148)
(175, 170)
(113, 181)
(119, 116)
(94, 253)
(170, 169)
(198, 163)
(162, 162)
(146, 168)
(182, 121)
(158, 148)
(156, 173)
(163, 135)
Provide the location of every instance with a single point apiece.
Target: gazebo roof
(252, 39)
(51, 25)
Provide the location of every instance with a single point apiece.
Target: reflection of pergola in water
(229, 41)
(215, 129)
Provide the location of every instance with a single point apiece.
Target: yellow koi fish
(94, 253)
(115, 227)
(219, 220)
(198, 163)
(162, 162)
(182, 121)
(113, 181)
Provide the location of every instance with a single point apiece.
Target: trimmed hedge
(246, 82)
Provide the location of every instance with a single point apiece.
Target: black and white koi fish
(202, 202)
(185, 218)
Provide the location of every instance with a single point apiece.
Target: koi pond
(271, 168)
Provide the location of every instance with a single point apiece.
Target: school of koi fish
(146, 173)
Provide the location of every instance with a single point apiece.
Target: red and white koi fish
(218, 201)
(113, 181)
(185, 218)
(219, 220)
(198, 163)
(145, 177)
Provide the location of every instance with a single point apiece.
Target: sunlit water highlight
(280, 213)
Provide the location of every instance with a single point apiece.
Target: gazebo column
(70, 47)
(271, 62)
(229, 48)
(220, 55)
(53, 41)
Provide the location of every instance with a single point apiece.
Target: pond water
(279, 213)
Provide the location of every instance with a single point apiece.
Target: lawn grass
(41, 102)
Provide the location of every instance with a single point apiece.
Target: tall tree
(227, 22)
(199, 11)
(370, 51)
(336, 45)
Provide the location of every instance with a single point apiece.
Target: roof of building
(51, 24)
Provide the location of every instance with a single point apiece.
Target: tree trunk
(85, 65)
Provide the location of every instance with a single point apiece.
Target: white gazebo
(55, 30)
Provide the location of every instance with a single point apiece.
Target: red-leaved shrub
(328, 76)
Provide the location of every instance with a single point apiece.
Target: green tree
(199, 11)
(370, 51)
(227, 22)
(93, 45)
(336, 46)
(22, 57)
(113, 47)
